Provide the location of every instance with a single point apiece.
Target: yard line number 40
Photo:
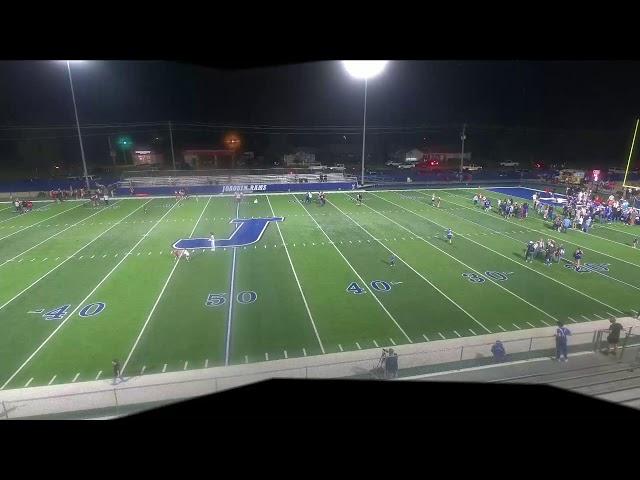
(60, 312)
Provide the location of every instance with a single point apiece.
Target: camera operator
(391, 364)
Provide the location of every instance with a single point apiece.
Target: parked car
(509, 164)
(472, 168)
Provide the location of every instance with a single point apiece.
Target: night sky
(571, 96)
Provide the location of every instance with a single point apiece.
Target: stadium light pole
(364, 70)
(463, 137)
(75, 110)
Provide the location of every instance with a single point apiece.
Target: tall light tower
(75, 110)
(364, 70)
(463, 137)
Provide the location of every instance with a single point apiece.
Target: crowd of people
(583, 208)
(550, 251)
(22, 206)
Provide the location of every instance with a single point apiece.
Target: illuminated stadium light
(364, 69)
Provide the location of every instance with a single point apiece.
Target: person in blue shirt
(449, 234)
(562, 333)
(498, 351)
(577, 256)
(392, 260)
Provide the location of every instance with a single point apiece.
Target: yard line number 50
(218, 299)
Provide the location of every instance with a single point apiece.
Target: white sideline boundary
(256, 193)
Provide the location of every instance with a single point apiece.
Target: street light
(75, 110)
(364, 70)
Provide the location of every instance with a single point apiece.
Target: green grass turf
(156, 316)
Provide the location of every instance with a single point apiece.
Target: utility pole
(463, 137)
(173, 157)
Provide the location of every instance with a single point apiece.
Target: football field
(81, 286)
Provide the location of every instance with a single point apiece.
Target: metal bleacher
(232, 179)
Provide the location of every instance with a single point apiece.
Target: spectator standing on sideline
(116, 371)
(614, 336)
(562, 333)
(391, 365)
(498, 351)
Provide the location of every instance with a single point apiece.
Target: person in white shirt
(213, 242)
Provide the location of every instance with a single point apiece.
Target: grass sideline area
(80, 286)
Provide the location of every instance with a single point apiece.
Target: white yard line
(600, 225)
(304, 298)
(458, 260)
(357, 274)
(52, 380)
(605, 275)
(37, 223)
(69, 258)
(51, 236)
(227, 343)
(104, 279)
(164, 287)
(466, 237)
(98, 375)
(407, 264)
(38, 208)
